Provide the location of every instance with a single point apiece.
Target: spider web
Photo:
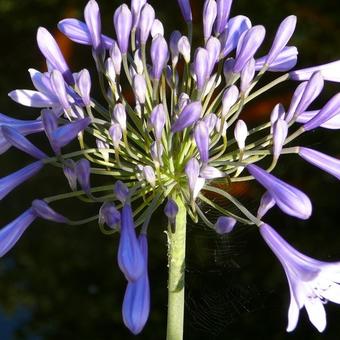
(217, 291)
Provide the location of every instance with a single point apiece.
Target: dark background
(63, 282)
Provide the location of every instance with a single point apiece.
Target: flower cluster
(176, 139)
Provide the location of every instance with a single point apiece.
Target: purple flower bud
(138, 62)
(109, 214)
(110, 71)
(130, 258)
(58, 86)
(196, 183)
(209, 172)
(146, 20)
(157, 28)
(10, 234)
(213, 47)
(20, 142)
(51, 51)
(231, 35)
(116, 57)
(136, 304)
(230, 97)
(159, 55)
(280, 132)
(277, 113)
(119, 115)
(201, 135)
(50, 123)
(241, 133)
(200, 69)
(333, 123)
(78, 32)
(322, 161)
(116, 134)
(190, 114)
(139, 88)
(171, 210)
(69, 169)
(283, 34)
(224, 225)
(284, 61)
(136, 7)
(247, 75)
(312, 90)
(219, 128)
(84, 85)
(184, 48)
(248, 46)
(157, 120)
(42, 209)
(66, 133)
(93, 22)
(330, 72)
(8, 183)
(149, 175)
(210, 120)
(295, 101)
(173, 44)
(83, 171)
(267, 202)
(183, 101)
(223, 11)
(289, 199)
(122, 20)
(185, 9)
(156, 151)
(209, 16)
(331, 109)
(121, 191)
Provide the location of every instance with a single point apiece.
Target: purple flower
(10, 234)
(83, 171)
(136, 7)
(157, 28)
(93, 22)
(210, 172)
(173, 44)
(84, 85)
(332, 123)
(196, 183)
(184, 48)
(210, 120)
(122, 21)
(136, 304)
(283, 34)
(311, 282)
(69, 169)
(116, 134)
(16, 139)
(139, 88)
(231, 35)
(109, 214)
(190, 114)
(8, 183)
(200, 69)
(157, 120)
(51, 51)
(297, 95)
(247, 75)
(223, 11)
(201, 135)
(209, 16)
(247, 46)
(149, 175)
(230, 97)
(78, 32)
(241, 133)
(322, 161)
(159, 55)
(119, 115)
(66, 133)
(330, 72)
(42, 210)
(130, 257)
(330, 110)
(59, 89)
(289, 199)
(146, 20)
(116, 57)
(213, 47)
(185, 9)
(121, 191)
(267, 202)
(224, 225)
(280, 132)
(284, 61)
(171, 210)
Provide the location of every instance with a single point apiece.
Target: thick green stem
(176, 264)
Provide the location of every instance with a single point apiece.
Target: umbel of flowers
(174, 142)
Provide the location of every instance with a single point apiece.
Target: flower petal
(316, 313)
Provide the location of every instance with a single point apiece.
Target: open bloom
(311, 282)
